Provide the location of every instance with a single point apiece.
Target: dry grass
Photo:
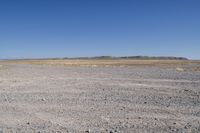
(178, 65)
(110, 62)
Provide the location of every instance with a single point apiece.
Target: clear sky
(72, 28)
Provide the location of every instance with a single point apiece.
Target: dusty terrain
(125, 98)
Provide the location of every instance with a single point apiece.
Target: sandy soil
(148, 99)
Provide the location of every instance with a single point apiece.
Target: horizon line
(105, 57)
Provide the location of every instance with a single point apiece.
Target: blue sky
(73, 28)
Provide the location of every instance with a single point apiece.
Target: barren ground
(99, 98)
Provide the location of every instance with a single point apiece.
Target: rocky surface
(45, 99)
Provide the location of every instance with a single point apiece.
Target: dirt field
(100, 96)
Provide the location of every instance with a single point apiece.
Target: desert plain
(99, 96)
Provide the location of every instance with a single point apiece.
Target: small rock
(179, 69)
(186, 127)
(43, 99)
(87, 131)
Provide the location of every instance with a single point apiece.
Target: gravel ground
(47, 99)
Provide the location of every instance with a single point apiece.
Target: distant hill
(133, 57)
(109, 57)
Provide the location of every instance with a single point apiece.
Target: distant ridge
(133, 57)
(110, 57)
